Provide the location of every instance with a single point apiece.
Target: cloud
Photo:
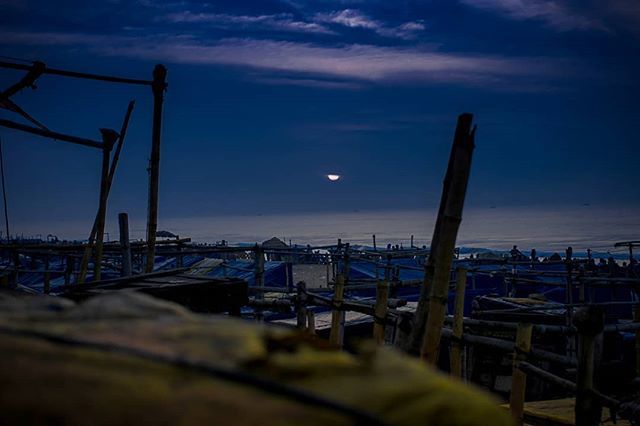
(555, 13)
(355, 19)
(279, 22)
(347, 63)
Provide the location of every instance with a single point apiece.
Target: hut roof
(274, 243)
(166, 234)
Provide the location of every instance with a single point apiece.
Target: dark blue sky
(266, 97)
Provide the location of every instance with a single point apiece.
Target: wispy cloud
(350, 63)
(279, 22)
(556, 14)
(355, 19)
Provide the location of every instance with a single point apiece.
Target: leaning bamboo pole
(84, 263)
(434, 295)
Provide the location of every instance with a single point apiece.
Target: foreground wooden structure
(110, 137)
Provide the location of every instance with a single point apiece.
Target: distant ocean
(544, 229)
(500, 229)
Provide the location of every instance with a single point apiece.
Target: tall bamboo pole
(426, 328)
(158, 88)
(109, 137)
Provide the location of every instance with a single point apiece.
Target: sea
(545, 229)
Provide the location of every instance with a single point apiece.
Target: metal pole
(158, 87)
(4, 193)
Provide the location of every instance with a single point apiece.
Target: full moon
(333, 178)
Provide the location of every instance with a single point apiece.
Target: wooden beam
(75, 74)
(50, 134)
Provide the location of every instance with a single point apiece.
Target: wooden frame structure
(158, 86)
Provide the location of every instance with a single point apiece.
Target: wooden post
(374, 243)
(300, 307)
(47, 276)
(412, 241)
(84, 263)
(569, 287)
(311, 322)
(4, 196)
(636, 318)
(108, 139)
(68, 271)
(519, 377)
(158, 88)
(381, 308)
(429, 316)
(337, 314)
(259, 269)
(123, 222)
(455, 356)
(15, 257)
(590, 323)
(346, 265)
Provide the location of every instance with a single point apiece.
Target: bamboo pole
(590, 323)
(519, 377)
(49, 134)
(76, 74)
(381, 308)
(455, 357)
(84, 263)
(259, 267)
(4, 195)
(47, 276)
(109, 137)
(300, 307)
(158, 88)
(68, 271)
(123, 222)
(311, 322)
(336, 336)
(636, 319)
(430, 312)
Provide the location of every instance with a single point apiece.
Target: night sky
(267, 97)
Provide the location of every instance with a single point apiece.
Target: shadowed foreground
(129, 358)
